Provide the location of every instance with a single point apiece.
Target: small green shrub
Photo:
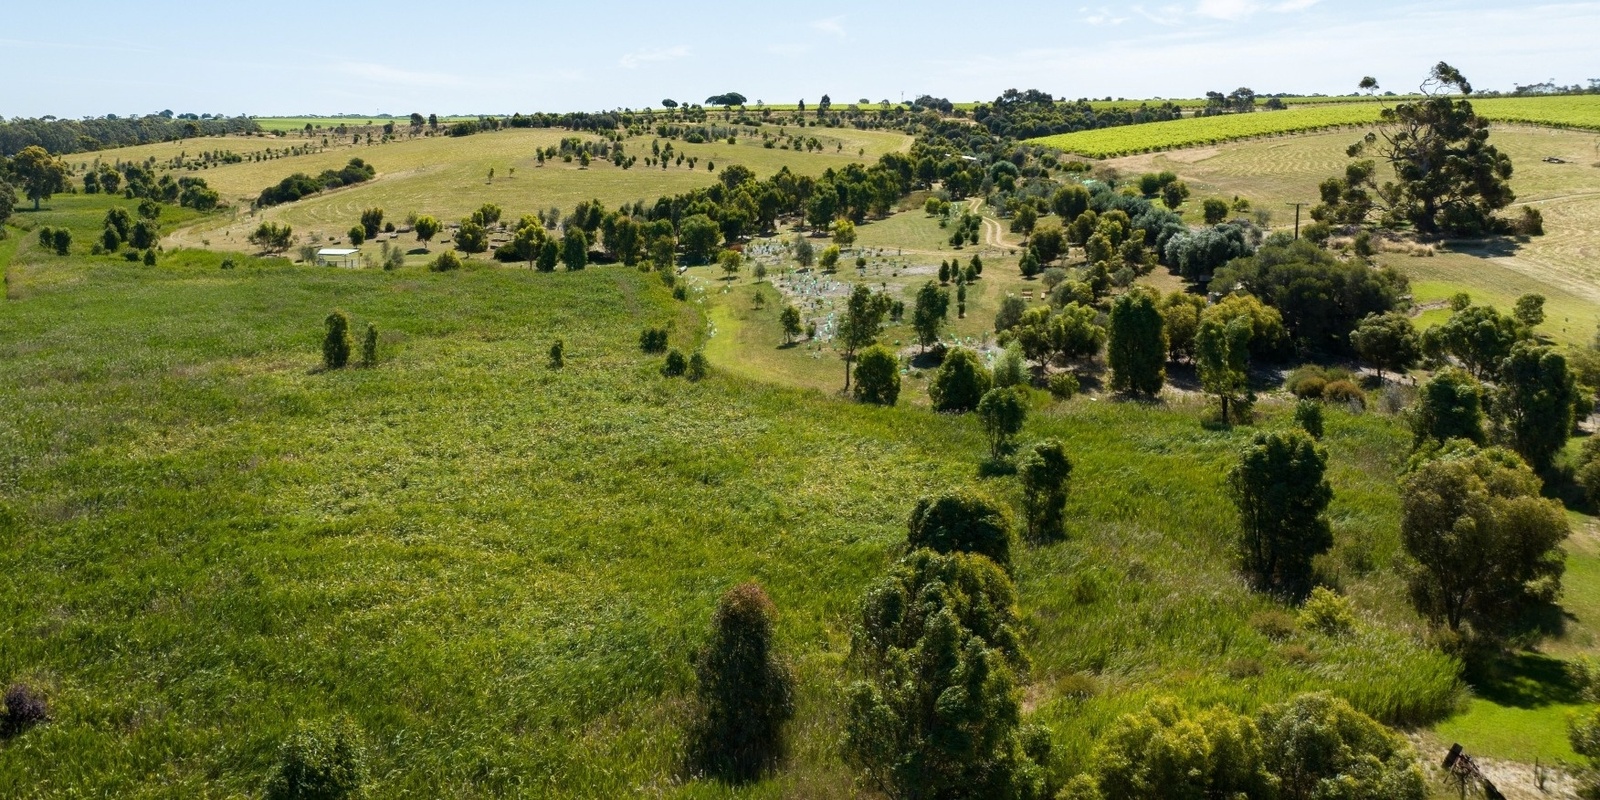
(1345, 392)
(1063, 385)
(320, 761)
(698, 367)
(653, 340)
(1328, 612)
(445, 262)
(675, 365)
(369, 346)
(558, 354)
(336, 341)
(1308, 415)
(25, 707)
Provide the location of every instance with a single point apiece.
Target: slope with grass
(500, 570)
(1579, 111)
(1276, 173)
(448, 177)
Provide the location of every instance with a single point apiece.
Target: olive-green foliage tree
(1448, 178)
(1137, 352)
(1073, 332)
(860, 324)
(744, 691)
(789, 318)
(1387, 341)
(1180, 320)
(471, 237)
(960, 382)
(939, 714)
(357, 235)
(1222, 356)
(961, 521)
(1010, 313)
(877, 376)
(445, 262)
(574, 249)
(426, 227)
(372, 222)
(1484, 545)
(933, 305)
(1280, 489)
(1529, 310)
(369, 346)
(699, 236)
(528, 241)
(41, 174)
(1533, 402)
(731, 261)
(1044, 471)
(1477, 337)
(320, 761)
(336, 341)
(1449, 406)
(1001, 412)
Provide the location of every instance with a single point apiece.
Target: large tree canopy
(1448, 178)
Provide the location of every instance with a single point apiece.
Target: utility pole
(1296, 218)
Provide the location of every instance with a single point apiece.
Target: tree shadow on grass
(1526, 680)
(1498, 247)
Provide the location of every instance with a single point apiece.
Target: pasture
(500, 570)
(448, 177)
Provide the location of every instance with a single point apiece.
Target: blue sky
(76, 58)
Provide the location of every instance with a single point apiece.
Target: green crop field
(1581, 111)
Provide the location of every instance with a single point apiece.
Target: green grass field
(500, 570)
(1581, 112)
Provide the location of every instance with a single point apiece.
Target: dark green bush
(320, 761)
(744, 692)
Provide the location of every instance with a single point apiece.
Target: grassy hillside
(1581, 112)
(1275, 173)
(501, 570)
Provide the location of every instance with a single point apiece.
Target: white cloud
(831, 25)
(383, 73)
(1231, 10)
(652, 55)
(1103, 16)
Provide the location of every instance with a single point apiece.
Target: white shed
(338, 257)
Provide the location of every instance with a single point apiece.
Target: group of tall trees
(65, 136)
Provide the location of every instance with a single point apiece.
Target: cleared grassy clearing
(1581, 112)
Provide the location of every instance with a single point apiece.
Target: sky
(77, 58)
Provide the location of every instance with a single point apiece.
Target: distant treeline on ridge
(63, 136)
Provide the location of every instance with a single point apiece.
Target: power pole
(1296, 219)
